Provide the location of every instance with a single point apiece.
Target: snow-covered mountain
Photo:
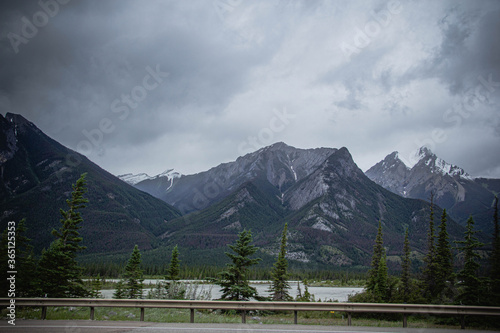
(435, 164)
(425, 173)
(134, 179)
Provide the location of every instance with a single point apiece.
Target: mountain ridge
(35, 181)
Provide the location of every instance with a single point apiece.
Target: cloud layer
(143, 87)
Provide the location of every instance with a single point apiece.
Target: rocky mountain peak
(426, 173)
(20, 123)
(432, 163)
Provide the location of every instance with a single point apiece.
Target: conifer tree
(444, 258)
(429, 270)
(68, 233)
(495, 258)
(378, 253)
(234, 279)
(279, 286)
(382, 282)
(173, 270)
(119, 291)
(306, 296)
(405, 265)
(471, 286)
(58, 266)
(96, 286)
(134, 275)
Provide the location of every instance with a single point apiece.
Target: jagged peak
(425, 156)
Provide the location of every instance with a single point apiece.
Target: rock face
(36, 174)
(453, 188)
(281, 165)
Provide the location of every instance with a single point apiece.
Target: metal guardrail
(349, 308)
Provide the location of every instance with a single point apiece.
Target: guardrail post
(349, 319)
(44, 312)
(405, 321)
(91, 313)
(191, 320)
(462, 322)
(295, 317)
(243, 317)
(142, 314)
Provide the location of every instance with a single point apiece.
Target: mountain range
(452, 187)
(331, 207)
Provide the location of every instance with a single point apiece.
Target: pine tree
(173, 270)
(58, 266)
(306, 296)
(381, 291)
(134, 275)
(429, 270)
(96, 286)
(444, 258)
(68, 233)
(378, 253)
(279, 286)
(234, 279)
(495, 259)
(471, 286)
(119, 291)
(405, 265)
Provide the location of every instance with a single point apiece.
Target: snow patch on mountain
(435, 163)
(134, 179)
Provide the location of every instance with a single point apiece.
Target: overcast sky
(145, 86)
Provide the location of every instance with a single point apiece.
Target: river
(321, 293)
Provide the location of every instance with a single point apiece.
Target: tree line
(437, 282)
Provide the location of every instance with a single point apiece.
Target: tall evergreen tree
(234, 279)
(378, 253)
(58, 266)
(381, 291)
(429, 270)
(405, 273)
(174, 268)
(444, 258)
(68, 233)
(279, 285)
(495, 258)
(134, 275)
(471, 290)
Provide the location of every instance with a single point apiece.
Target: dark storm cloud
(93, 52)
(225, 69)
